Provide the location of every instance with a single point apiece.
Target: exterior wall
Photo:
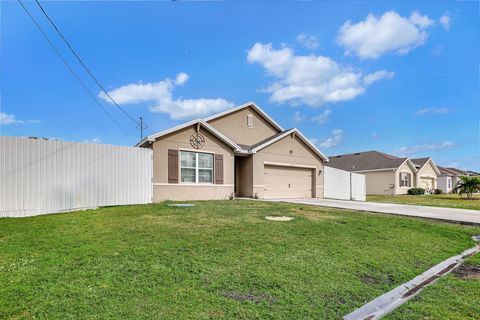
(380, 182)
(288, 151)
(404, 168)
(180, 140)
(443, 185)
(427, 171)
(234, 126)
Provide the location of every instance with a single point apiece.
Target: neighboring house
(449, 177)
(241, 151)
(428, 172)
(384, 173)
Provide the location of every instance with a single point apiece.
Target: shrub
(437, 191)
(416, 191)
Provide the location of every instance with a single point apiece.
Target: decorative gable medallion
(197, 140)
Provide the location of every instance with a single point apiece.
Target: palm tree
(468, 185)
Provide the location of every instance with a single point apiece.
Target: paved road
(446, 214)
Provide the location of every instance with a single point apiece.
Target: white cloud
(425, 111)
(421, 21)
(413, 150)
(322, 117)
(445, 21)
(161, 94)
(94, 140)
(10, 119)
(312, 80)
(298, 117)
(378, 75)
(308, 41)
(375, 36)
(7, 118)
(335, 140)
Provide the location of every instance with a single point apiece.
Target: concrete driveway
(445, 214)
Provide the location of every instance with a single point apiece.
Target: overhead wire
(70, 69)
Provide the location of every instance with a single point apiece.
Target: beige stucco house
(241, 151)
(428, 173)
(449, 177)
(385, 174)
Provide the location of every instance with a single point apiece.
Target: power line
(69, 67)
(85, 67)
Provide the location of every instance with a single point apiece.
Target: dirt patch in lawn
(241, 297)
(313, 215)
(468, 271)
(377, 279)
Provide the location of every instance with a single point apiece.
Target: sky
(399, 77)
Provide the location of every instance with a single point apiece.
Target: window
(196, 167)
(404, 179)
(449, 182)
(249, 120)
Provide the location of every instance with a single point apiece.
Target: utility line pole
(142, 126)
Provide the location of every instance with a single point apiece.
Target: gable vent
(249, 120)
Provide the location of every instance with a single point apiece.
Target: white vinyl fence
(39, 176)
(344, 185)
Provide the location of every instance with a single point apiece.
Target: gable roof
(239, 148)
(254, 106)
(201, 122)
(452, 171)
(367, 161)
(421, 162)
(265, 143)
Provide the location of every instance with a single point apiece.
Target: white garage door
(287, 182)
(426, 183)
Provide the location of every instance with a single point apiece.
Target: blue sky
(400, 77)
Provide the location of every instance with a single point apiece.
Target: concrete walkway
(446, 214)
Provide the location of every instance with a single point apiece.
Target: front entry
(287, 182)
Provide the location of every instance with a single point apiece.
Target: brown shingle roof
(420, 162)
(369, 160)
(452, 171)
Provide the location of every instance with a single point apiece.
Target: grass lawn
(222, 259)
(434, 200)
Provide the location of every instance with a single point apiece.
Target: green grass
(155, 261)
(451, 298)
(437, 200)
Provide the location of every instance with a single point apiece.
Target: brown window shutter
(219, 169)
(172, 166)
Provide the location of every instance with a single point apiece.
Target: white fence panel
(359, 187)
(343, 185)
(40, 176)
(336, 183)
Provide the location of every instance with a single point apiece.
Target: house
(428, 172)
(241, 151)
(449, 177)
(385, 174)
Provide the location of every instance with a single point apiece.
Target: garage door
(426, 183)
(287, 182)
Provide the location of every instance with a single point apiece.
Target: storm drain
(391, 300)
(279, 218)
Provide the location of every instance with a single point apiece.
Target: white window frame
(409, 179)
(196, 152)
(250, 120)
